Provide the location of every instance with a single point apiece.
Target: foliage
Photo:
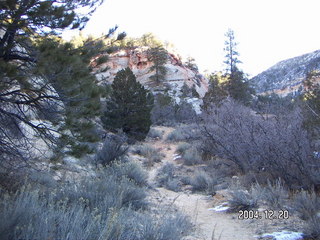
(306, 204)
(241, 200)
(113, 149)
(74, 84)
(216, 93)
(275, 194)
(146, 40)
(106, 206)
(152, 154)
(166, 111)
(158, 56)
(203, 182)
(166, 177)
(238, 87)
(189, 92)
(190, 63)
(311, 102)
(191, 156)
(46, 86)
(182, 147)
(263, 146)
(128, 107)
(231, 52)
(155, 133)
(178, 135)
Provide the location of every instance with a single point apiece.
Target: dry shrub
(257, 144)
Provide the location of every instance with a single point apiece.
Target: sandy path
(225, 226)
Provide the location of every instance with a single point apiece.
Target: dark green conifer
(158, 56)
(128, 107)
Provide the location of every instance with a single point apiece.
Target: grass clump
(150, 153)
(110, 205)
(242, 200)
(166, 177)
(275, 194)
(191, 157)
(177, 135)
(113, 148)
(155, 133)
(183, 147)
(306, 204)
(202, 182)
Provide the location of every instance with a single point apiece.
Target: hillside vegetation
(86, 158)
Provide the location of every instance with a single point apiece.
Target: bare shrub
(306, 204)
(261, 144)
(242, 200)
(311, 228)
(275, 194)
(113, 149)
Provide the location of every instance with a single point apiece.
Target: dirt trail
(225, 226)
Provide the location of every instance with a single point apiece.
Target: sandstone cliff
(137, 60)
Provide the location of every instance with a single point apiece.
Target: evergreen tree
(190, 63)
(128, 107)
(237, 85)
(66, 68)
(231, 52)
(158, 56)
(27, 88)
(311, 101)
(216, 93)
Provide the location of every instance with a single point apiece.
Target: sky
(267, 31)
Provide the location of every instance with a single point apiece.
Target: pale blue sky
(268, 31)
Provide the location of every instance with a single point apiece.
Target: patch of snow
(316, 154)
(220, 208)
(284, 235)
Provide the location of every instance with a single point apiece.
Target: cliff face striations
(137, 60)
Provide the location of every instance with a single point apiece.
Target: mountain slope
(286, 77)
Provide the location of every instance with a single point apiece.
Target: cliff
(136, 59)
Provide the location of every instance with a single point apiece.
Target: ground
(209, 224)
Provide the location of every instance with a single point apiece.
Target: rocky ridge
(177, 73)
(286, 77)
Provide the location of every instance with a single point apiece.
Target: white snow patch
(220, 208)
(284, 235)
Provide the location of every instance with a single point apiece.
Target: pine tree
(191, 63)
(67, 69)
(311, 102)
(27, 88)
(158, 56)
(216, 93)
(238, 87)
(128, 107)
(237, 84)
(231, 52)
